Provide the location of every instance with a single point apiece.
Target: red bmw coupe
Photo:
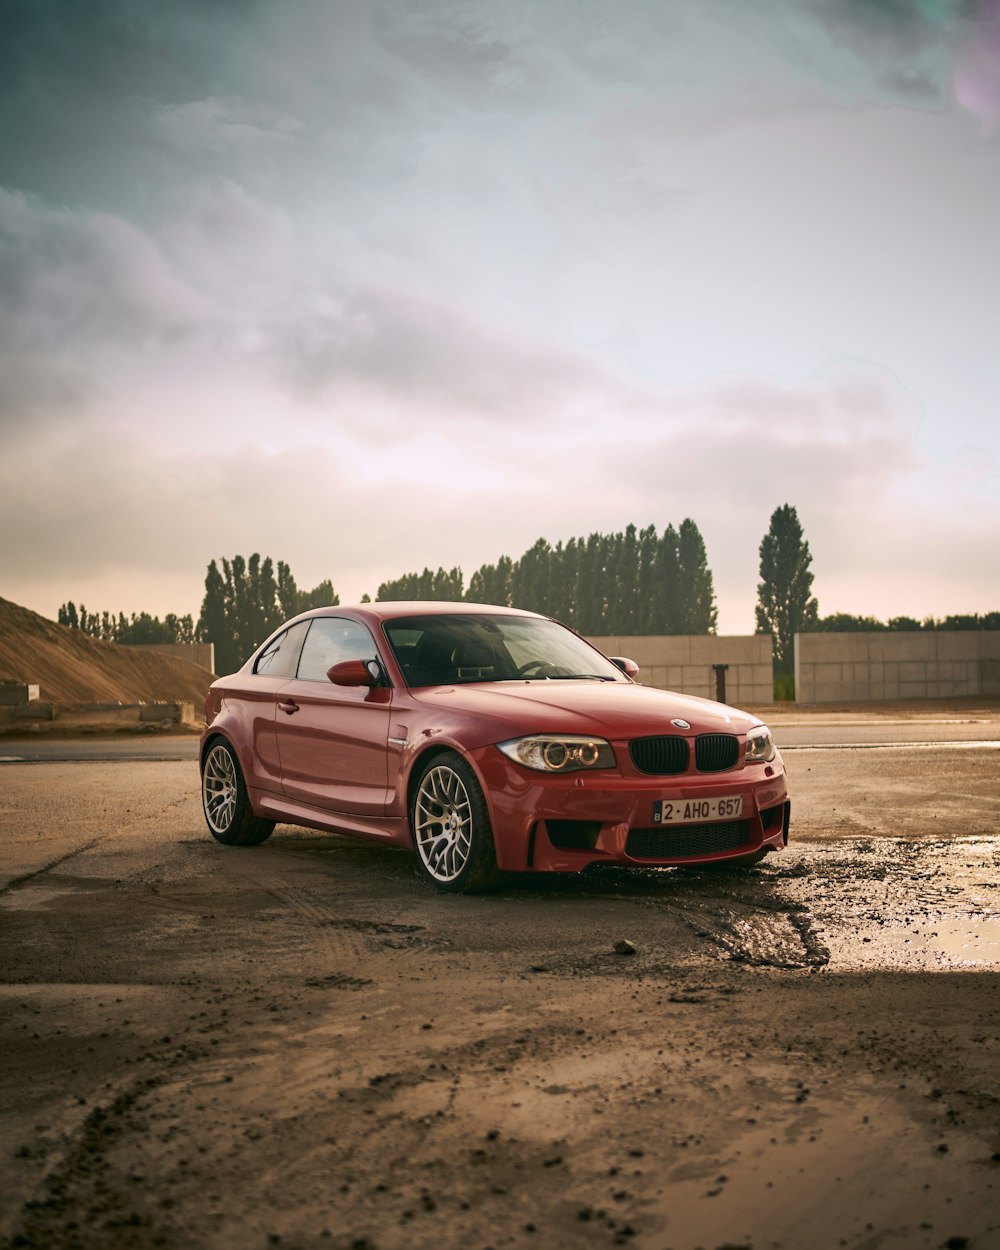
(487, 739)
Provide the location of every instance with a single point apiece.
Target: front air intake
(687, 841)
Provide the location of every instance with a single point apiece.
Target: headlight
(559, 753)
(760, 745)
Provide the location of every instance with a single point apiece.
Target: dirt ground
(304, 1046)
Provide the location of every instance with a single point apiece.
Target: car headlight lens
(559, 753)
(760, 745)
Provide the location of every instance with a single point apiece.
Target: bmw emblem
(680, 724)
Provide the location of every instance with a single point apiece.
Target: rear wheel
(451, 827)
(225, 801)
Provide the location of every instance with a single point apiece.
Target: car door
(332, 740)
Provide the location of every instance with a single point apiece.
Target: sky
(369, 286)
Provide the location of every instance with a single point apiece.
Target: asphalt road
(303, 1045)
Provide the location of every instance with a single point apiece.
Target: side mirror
(627, 666)
(352, 673)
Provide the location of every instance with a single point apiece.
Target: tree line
(137, 629)
(628, 582)
(243, 603)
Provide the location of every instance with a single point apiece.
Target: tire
(225, 802)
(451, 827)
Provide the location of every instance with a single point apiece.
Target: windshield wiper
(580, 677)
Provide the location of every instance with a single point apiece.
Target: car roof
(391, 610)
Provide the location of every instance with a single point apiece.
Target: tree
(491, 583)
(321, 596)
(846, 623)
(696, 592)
(784, 603)
(212, 625)
(246, 602)
(442, 586)
(531, 578)
(668, 618)
(624, 608)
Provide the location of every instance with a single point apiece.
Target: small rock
(624, 947)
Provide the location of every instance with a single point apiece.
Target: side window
(331, 640)
(282, 655)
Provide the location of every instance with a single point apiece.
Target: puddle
(971, 940)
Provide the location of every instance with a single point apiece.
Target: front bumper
(553, 823)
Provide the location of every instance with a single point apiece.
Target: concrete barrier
(96, 717)
(14, 692)
(687, 663)
(925, 664)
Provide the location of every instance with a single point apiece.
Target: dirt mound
(72, 668)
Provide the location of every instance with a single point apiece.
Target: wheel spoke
(443, 823)
(219, 789)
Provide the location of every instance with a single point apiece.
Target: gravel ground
(302, 1045)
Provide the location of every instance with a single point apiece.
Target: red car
(487, 739)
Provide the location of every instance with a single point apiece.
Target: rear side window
(332, 640)
(281, 656)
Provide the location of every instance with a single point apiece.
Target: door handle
(289, 707)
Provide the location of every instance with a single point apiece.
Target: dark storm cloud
(899, 25)
(74, 75)
(926, 51)
(899, 30)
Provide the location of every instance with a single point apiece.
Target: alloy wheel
(443, 823)
(218, 788)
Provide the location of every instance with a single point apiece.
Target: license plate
(696, 811)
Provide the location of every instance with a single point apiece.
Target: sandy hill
(72, 668)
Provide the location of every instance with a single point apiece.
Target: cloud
(35, 388)
(927, 51)
(76, 280)
(977, 65)
(422, 355)
(218, 125)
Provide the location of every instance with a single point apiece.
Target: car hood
(611, 710)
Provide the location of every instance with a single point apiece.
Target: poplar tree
(696, 593)
(246, 602)
(785, 606)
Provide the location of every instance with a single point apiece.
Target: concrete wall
(936, 664)
(685, 663)
(13, 693)
(202, 653)
(95, 717)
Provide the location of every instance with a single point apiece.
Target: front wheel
(225, 800)
(451, 827)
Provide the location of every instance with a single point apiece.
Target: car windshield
(446, 649)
